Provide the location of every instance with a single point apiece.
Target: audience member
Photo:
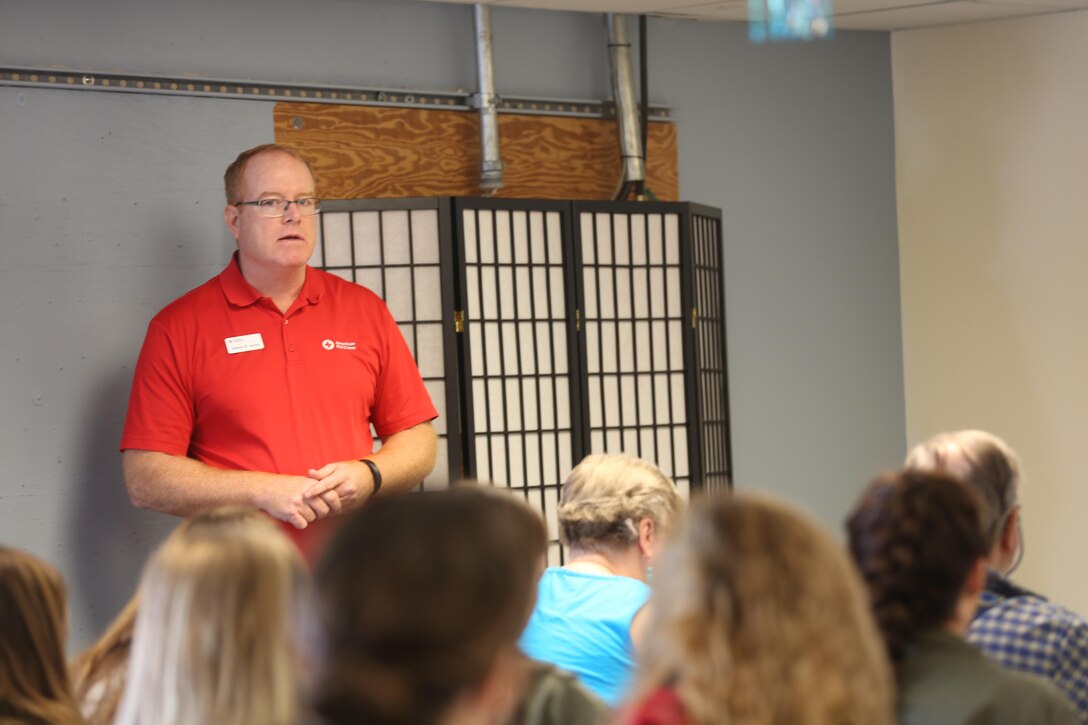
(423, 598)
(219, 628)
(98, 673)
(614, 511)
(759, 617)
(917, 538)
(551, 696)
(34, 685)
(1014, 626)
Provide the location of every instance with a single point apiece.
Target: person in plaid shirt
(1015, 627)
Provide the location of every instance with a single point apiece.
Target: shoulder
(1021, 698)
(660, 707)
(183, 309)
(556, 697)
(1033, 621)
(952, 683)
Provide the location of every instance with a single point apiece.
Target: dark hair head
(232, 179)
(915, 535)
(34, 685)
(419, 593)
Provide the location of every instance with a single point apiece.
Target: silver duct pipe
(623, 94)
(487, 102)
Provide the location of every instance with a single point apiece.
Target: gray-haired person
(1015, 627)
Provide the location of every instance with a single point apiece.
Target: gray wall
(110, 207)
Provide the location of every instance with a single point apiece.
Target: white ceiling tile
(849, 14)
(949, 13)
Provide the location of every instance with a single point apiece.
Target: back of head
(606, 496)
(216, 632)
(419, 595)
(759, 617)
(984, 462)
(915, 536)
(34, 683)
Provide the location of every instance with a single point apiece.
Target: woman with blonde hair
(34, 685)
(217, 636)
(759, 618)
(614, 511)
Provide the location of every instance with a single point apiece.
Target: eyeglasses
(274, 206)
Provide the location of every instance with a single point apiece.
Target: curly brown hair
(759, 617)
(915, 536)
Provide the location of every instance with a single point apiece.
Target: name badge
(244, 343)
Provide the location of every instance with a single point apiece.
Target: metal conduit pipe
(623, 94)
(487, 103)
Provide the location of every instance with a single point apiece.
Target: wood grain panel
(368, 152)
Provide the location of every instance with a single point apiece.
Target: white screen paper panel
(631, 277)
(396, 253)
(516, 329)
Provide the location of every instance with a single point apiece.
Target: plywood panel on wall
(372, 152)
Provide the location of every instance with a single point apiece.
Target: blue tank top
(582, 624)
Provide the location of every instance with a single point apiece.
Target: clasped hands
(325, 491)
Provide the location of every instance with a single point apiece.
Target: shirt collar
(240, 293)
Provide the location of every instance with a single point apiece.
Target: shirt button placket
(288, 345)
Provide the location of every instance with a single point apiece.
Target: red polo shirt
(226, 378)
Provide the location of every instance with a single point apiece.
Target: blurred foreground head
(217, 635)
(34, 684)
(423, 597)
(759, 617)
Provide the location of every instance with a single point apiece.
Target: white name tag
(244, 343)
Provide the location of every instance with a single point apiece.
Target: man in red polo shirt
(260, 386)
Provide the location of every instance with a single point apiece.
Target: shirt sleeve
(160, 406)
(1070, 672)
(401, 400)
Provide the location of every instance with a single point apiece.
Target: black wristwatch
(376, 473)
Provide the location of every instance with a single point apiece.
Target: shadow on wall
(110, 537)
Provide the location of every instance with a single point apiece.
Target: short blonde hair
(216, 633)
(606, 496)
(759, 617)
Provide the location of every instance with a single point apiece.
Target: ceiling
(884, 15)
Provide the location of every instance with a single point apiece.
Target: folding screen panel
(547, 330)
(635, 397)
(401, 250)
(704, 229)
(518, 369)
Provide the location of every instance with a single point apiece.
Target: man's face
(273, 244)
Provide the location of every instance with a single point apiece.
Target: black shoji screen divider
(704, 230)
(641, 287)
(565, 328)
(519, 348)
(402, 249)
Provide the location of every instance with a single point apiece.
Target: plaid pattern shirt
(1023, 631)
